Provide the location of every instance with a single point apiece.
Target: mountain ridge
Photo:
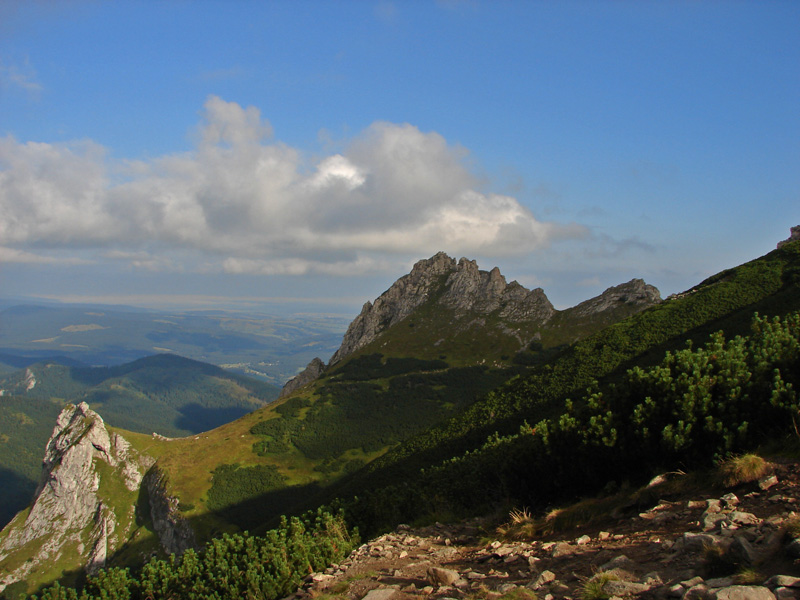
(468, 291)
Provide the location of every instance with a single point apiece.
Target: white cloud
(252, 205)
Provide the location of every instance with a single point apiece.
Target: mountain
(400, 431)
(456, 312)
(85, 504)
(166, 395)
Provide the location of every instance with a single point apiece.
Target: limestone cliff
(459, 286)
(74, 517)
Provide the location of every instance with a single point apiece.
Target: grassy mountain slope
(422, 370)
(769, 285)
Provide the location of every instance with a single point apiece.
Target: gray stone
(767, 482)
(563, 549)
(442, 577)
(712, 520)
(69, 500)
(696, 592)
(697, 541)
(380, 594)
(624, 588)
(783, 581)
(793, 548)
(743, 518)
(543, 579)
(312, 371)
(743, 592)
(730, 500)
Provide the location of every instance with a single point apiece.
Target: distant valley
(270, 348)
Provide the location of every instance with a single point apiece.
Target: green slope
(769, 285)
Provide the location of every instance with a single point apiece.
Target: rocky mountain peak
(68, 510)
(460, 286)
(635, 293)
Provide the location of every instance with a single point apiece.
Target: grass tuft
(745, 468)
(592, 588)
(749, 577)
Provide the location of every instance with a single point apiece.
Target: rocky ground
(727, 544)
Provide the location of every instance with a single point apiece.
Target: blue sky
(302, 155)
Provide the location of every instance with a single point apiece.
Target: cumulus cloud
(250, 204)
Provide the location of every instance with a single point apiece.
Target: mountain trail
(713, 546)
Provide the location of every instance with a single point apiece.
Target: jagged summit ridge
(467, 291)
(465, 288)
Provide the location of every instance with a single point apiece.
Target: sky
(295, 156)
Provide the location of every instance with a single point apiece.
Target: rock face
(460, 286)
(793, 237)
(635, 292)
(174, 532)
(70, 511)
(313, 370)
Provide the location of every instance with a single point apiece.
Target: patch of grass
(519, 593)
(749, 577)
(521, 525)
(744, 468)
(592, 588)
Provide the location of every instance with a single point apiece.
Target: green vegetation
(722, 398)
(234, 484)
(727, 301)
(232, 566)
(350, 412)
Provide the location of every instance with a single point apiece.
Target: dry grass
(742, 469)
(749, 577)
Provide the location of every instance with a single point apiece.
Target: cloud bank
(241, 202)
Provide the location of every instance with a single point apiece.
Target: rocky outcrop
(635, 293)
(174, 532)
(793, 237)
(71, 512)
(460, 286)
(313, 370)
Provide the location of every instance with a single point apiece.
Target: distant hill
(270, 348)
